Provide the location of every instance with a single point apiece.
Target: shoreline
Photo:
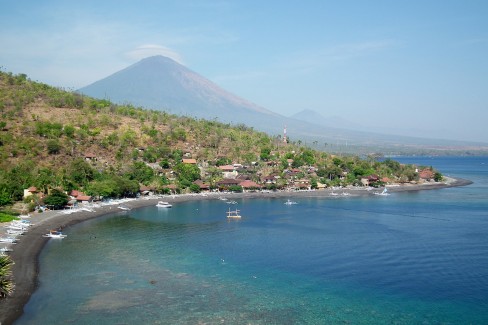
(26, 252)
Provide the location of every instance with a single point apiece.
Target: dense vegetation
(6, 284)
(60, 140)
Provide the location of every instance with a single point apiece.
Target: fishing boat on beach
(8, 240)
(233, 214)
(55, 234)
(124, 207)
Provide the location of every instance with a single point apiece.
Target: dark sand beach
(26, 252)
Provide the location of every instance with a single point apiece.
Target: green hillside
(56, 139)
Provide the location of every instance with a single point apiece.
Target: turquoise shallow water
(408, 258)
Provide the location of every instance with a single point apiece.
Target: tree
(195, 188)
(6, 284)
(141, 172)
(81, 172)
(53, 146)
(265, 154)
(313, 183)
(235, 188)
(438, 177)
(5, 198)
(189, 172)
(57, 199)
(223, 161)
(164, 163)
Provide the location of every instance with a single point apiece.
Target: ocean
(407, 258)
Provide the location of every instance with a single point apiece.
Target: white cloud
(147, 50)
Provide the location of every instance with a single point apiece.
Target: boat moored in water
(163, 204)
(233, 214)
(384, 193)
(289, 202)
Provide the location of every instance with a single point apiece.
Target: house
(386, 180)
(90, 156)
(302, 184)
(30, 191)
(171, 187)
(75, 193)
(189, 161)
(204, 187)
(321, 186)
(228, 182)
(84, 198)
(270, 179)
(368, 180)
(227, 168)
(426, 174)
(146, 190)
(249, 185)
(228, 171)
(243, 177)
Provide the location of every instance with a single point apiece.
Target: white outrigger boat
(8, 240)
(233, 214)
(163, 204)
(384, 193)
(289, 202)
(124, 207)
(5, 249)
(55, 234)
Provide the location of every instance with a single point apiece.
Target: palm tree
(6, 284)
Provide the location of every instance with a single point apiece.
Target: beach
(26, 252)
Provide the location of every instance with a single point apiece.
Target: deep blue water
(408, 258)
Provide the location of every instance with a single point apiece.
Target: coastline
(26, 252)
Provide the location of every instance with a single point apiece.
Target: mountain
(160, 83)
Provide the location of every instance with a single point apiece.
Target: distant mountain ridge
(311, 116)
(162, 84)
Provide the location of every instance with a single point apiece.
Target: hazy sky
(393, 64)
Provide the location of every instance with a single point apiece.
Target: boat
(233, 214)
(8, 240)
(163, 204)
(231, 202)
(124, 207)
(15, 232)
(55, 234)
(384, 193)
(288, 202)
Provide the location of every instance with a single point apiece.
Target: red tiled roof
(226, 167)
(201, 184)
(249, 184)
(426, 174)
(228, 181)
